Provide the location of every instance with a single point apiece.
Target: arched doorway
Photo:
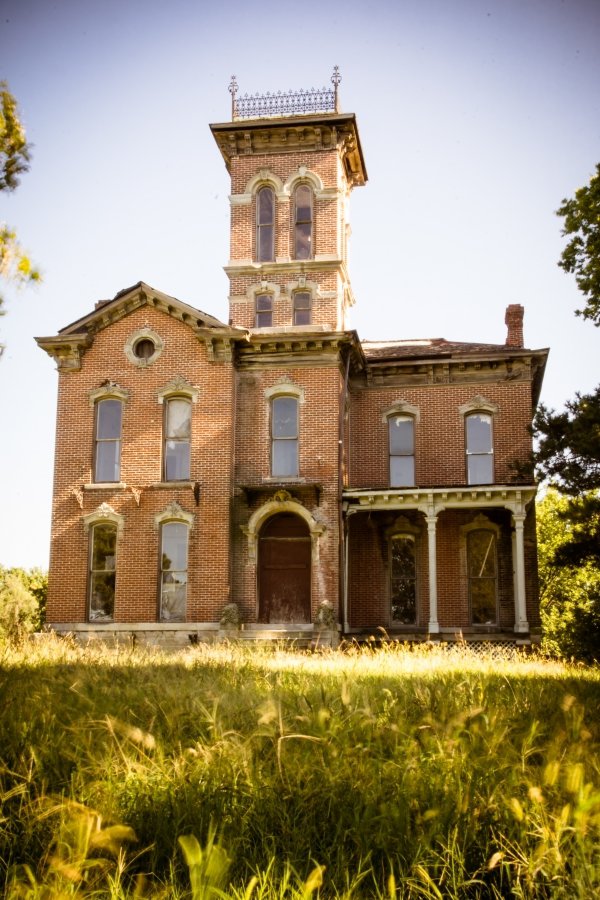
(284, 554)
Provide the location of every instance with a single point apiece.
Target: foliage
(569, 593)
(15, 265)
(22, 601)
(397, 773)
(581, 256)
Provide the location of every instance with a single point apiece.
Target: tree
(15, 265)
(22, 601)
(569, 593)
(581, 256)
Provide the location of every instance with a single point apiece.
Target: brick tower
(293, 160)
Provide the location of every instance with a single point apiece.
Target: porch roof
(432, 501)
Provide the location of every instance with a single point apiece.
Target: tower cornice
(292, 134)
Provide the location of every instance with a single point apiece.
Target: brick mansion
(274, 475)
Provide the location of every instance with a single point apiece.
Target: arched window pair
(302, 235)
(173, 571)
(176, 440)
(300, 309)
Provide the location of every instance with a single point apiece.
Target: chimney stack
(514, 324)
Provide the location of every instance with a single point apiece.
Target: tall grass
(224, 771)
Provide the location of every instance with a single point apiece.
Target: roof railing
(287, 103)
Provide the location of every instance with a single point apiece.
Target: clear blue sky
(476, 119)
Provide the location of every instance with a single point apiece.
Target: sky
(476, 119)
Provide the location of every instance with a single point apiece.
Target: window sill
(172, 485)
(106, 486)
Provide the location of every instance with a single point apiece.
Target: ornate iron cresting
(288, 103)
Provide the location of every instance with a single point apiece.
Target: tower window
(303, 222)
(265, 225)
(302, 308)
(264, 310)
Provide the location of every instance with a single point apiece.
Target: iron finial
(335, 80)
(233, 87)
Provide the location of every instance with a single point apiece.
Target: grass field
(227, 772)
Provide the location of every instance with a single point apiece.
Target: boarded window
(265, 225)
(303, 222)
(178, 420)
(482, 565)
(480, 459)
(103, 554)
(107, 462)
(173, 574)
(403, 580)
(401, 431)
(284, 436)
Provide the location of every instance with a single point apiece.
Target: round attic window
(144, 347)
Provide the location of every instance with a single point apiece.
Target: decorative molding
(103, 513)
(284, 386)
(174, 513)
(137, 494)
(282, 496)
(401, 407)
(178, 386)
(402, 525)
(78, 494)
(110, 389)
(304, 176)
(480, 523)
(265, 287)
(271, 508)
(478, 404)
(145, 333)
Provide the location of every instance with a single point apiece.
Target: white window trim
(178, 387)
(173, 513)
(103, 513)
(109, 391)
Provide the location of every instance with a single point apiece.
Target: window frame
(92, 572)
(412, 537)
(302, 309)
(261, 226)
(101, 441)
(164, 524)
(264, 312)
(166, 438)
(408, 417)
(471, 579)
(278, 440)
(303, 186)
(479, 454)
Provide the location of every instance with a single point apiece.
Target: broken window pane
(481, 557)
(174, 553)
(403, 580)
(178, 418)
(102, 572)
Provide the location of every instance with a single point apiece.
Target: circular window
(144, 348)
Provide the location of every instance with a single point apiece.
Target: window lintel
(103, 514)
(108, 391)
(401, 408)
(174, 513)
(285, 388)
(178, 387)
(478, 404)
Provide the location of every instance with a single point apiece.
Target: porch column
(434, 625)
(521, 623)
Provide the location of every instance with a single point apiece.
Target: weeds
(384, 772)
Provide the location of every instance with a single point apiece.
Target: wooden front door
(284, 570)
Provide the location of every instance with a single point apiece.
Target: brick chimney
(514, 323)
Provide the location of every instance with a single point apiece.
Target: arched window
(403, 577)
(264, 310)
(479, 447)
(284, 436)
(301, 307)
(265, 225)
(107, 454)
(401, 432)
(173, 571)
(102, 572)
(483, 577)
(303, 222)
(177, 434)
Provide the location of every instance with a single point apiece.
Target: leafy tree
(569, 593)
(581, 256)
(22, 601)
(15, 265)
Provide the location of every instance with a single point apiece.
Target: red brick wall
(137, 549)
